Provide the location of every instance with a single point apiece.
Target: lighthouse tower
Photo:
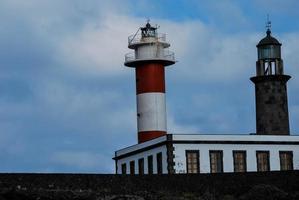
(272, 117)
(149, 59)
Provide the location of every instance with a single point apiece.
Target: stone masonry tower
(149, 59)
(272, 117)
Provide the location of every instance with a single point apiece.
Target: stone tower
(272, 117)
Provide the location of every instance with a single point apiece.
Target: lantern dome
(269, 47)
(268, 40)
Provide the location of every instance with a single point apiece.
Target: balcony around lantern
(167, 58)
(136, 40)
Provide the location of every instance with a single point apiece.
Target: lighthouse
(272, 116)
(273, 148)
(150, 57)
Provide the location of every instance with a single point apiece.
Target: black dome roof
(268, 40)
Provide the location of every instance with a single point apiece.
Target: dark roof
(268, 40)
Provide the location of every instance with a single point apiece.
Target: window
(141, 166)
(286, 160)
(124, 168)
(239, 161)
(150, 164)
(263, 161)
(132, 167)
(192, 161)
(216, 161)
(159, 163)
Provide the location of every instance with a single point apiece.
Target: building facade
(272, 148)
(183, 153)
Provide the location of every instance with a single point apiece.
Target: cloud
(65, 96)
(82, 161)
(294, 117)
(99, 47)
(206, 55)
(175, 127)
(290, 43)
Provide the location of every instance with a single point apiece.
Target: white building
(182, 153)
(272, 148)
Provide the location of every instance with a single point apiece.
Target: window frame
(150, 164)
(221, 157)
(132, 167)
(268, 161)
(244, 152)
(124, 168)
(292, 160)
(141, 166)
(197, 161)
(159, 160)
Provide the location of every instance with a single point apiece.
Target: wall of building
(180, 155)
(144, 155)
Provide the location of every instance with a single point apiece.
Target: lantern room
(269, 56)
(148, 45)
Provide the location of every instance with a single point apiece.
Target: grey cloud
(83, 161)
(65, 95)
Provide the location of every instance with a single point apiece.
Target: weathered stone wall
(272, 116)
(228, 186)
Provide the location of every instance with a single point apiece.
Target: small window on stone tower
(286, 160)
(216, 161)
(239, 161)
(132, 167)
(159, 163)
(124, 168)
(150, 164)
(192, 161)
(141, 166)
(263, 161)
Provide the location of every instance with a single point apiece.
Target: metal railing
(135, 39)
(168, 55)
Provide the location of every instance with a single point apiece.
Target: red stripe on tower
(150, 78)
(149, 58)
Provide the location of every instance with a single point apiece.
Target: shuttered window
(239, 161)
(192, 161)
(141, 166)
(132, 167)
(150, 164)
(124, 168)
(286, 160)
(159, 163)
(216, 161)
(263, 161)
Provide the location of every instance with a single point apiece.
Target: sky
(67, 102)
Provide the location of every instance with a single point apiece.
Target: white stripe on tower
(151, 109)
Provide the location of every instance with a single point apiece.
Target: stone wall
(227, 186)
(272, 115)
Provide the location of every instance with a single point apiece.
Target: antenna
(134, 36)
(268, 23)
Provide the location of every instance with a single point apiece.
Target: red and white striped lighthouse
(149, 58)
